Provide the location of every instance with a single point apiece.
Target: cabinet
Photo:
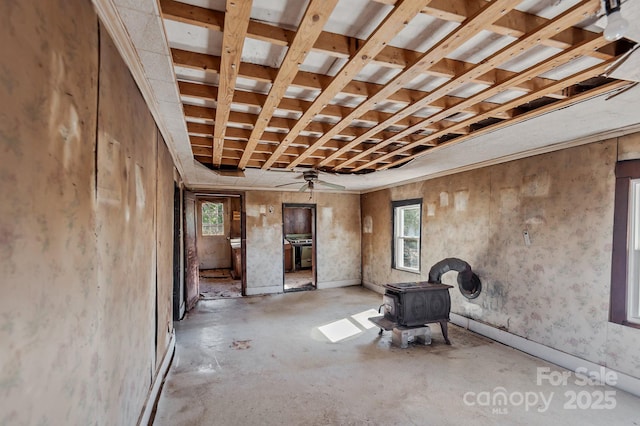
(288, 257)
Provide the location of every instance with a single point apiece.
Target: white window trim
(633, 254)
(399, 239)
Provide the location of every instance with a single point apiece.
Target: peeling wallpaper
(554, 291)
(78, 261)
(337, 238)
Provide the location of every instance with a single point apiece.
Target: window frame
(633, 253)
(220, 214)
(622, 265)
(396, 256)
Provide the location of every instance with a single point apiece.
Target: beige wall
(85, 224)
(337, 239)
(555, 291)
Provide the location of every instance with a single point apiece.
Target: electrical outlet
(527, 239)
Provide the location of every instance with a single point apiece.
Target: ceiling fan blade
(330, 185)
(304, 187)
(287, 184)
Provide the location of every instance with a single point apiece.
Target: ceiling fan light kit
(617, 26)
(311, 180)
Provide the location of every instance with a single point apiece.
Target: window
(212, 218)
(625, 267)
(633, 253)
(406, 234)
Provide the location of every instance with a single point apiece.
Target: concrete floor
(262, 361)
(300, 279)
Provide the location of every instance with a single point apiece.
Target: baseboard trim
(337, 284)
(625, 382)
(256, 291)
(154, 392)
(373, 287)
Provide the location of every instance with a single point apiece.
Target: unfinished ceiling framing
(360, 86)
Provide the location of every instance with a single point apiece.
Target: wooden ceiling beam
(198, 142)
(226, 162)
(393, 23)
(606, 88)
(514, 24)
(575, 14)
(197, 130)
(236, 21)
(311, 81)
(233, 133)
(252, 99)
(335, 45)
(285, 124)
(316, 15)
(559, 85)
(450, 43)
(551, 63)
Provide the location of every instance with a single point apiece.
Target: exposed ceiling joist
(513, 24)
(316, 15)
(236, 20)
(573, 15)
(582, 76)
(454, 40)
(393, 23)
(357, 105)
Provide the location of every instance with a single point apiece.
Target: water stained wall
(85, 223)
(337, 239)
(552, 288)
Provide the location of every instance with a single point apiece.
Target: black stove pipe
(468, 282)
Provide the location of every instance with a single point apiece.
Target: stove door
(420, 307)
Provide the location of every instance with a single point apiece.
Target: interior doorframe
(191, 273)
(179, 302)
(314, 269)
(203, 193)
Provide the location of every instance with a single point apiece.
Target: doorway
(219, 246)
(299, 243)
(219, 239)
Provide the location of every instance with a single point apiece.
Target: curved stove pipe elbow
(468, 282)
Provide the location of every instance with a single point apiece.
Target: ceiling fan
(311, 180)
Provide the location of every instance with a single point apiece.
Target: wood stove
(415, 304)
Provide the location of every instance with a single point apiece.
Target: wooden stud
(514, 24)
(311, 81)
(397, 19)
(450, 43)
(316, 15)
(236, 21)
(570, 17)
(569, 81)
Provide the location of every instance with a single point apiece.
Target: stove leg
(380, 332)
(444, 326)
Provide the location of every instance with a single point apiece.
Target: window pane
(411, 222)
(212, 219)
(633, 254)
(406, 234)
(410, 254)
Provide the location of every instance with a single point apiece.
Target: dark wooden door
(178, 292)
(191, 278)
